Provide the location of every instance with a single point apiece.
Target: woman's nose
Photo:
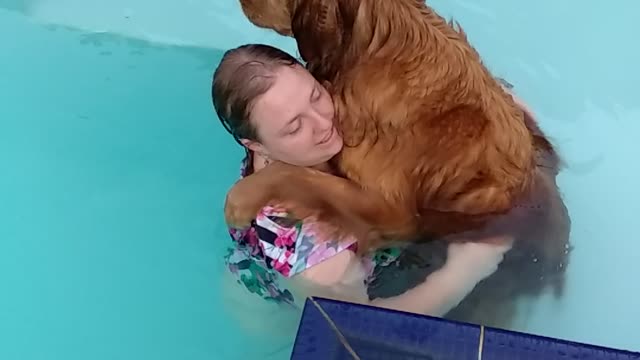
(321, 123)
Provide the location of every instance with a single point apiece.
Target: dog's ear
(322, 28)
(269, 14)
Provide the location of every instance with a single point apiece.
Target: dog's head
(270, 14)
(322, 28)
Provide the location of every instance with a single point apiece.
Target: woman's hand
(476, 260)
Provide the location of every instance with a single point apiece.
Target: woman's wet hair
(243, 75)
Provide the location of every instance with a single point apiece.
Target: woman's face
(294, 120)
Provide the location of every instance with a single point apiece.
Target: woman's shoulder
(288, 245)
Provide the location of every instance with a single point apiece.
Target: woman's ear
(254, 146)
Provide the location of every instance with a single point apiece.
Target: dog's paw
(240, 209)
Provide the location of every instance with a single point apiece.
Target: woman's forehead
(288, 96)
(291, 82)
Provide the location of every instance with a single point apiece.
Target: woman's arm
(341, 275)
(342, 278)
(467, 264)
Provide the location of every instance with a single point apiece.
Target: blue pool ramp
(336, 330)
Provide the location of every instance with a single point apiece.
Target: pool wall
(339, 330)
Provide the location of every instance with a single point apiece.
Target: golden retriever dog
(435, 148)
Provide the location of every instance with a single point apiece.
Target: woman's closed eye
(294, 127)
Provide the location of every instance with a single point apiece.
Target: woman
(273, 106)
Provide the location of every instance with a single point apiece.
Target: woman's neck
(260, 162)
(324, 167)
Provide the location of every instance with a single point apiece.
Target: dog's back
(421, 90)
(397, 68)
(426, 125)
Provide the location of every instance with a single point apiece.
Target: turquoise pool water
(114, 171)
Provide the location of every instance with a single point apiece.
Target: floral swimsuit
(277, 245)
